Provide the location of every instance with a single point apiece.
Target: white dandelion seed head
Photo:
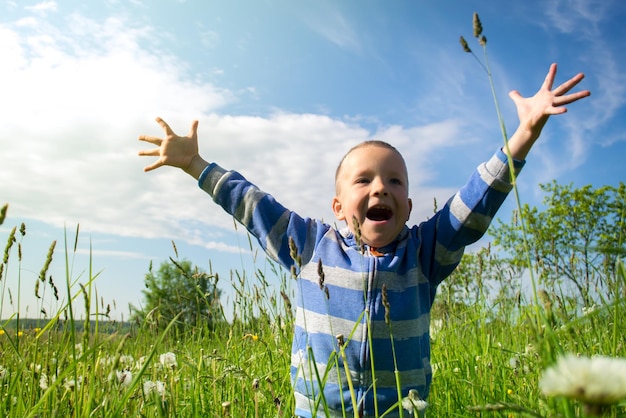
(124, 377)
(36, 368)
(157, 387)
(126, 360)
(139, 364)
(168, 360)
(43, 381)
(589, 309)
(414, 404)
(595, 380)
(71, 384)
(106, 360)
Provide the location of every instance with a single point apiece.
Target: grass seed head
(478, 27)
(3, 212)
(385, 303)
(464, 44)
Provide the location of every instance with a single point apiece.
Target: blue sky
(282, 89)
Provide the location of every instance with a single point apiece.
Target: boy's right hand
(173, 150)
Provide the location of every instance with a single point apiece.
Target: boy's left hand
(533, 112)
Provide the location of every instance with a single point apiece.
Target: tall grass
(488, 353)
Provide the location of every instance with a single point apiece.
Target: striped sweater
(350, 299)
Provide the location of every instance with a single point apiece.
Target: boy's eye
(395, 181)
(362, 180)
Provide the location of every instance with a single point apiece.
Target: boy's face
(372, 186)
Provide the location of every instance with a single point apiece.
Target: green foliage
(178, 289)
(577, 239)
(487, 353)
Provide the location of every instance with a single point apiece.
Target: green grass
(488, 356)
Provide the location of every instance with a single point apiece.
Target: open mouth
(379, 213)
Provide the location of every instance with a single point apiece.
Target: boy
(376, 271)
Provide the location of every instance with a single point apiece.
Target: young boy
(376, 272)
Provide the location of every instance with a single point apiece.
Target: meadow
(499, 349)
(489, 353)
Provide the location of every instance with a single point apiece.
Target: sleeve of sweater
(267, 220)
(465, 217)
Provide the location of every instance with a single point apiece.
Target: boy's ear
(338, 209)
(410, 208)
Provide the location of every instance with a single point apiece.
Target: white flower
(3, 372)
(36, 368)
(43, 381)
(139, 364)
(150, 387)
(126, 360)
(414, 404)
(589, 309)
(124, 377)
(71, 384)
(168, 360)
(596, 380)
(436, 325)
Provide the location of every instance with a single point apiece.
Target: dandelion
(126, 360)
(436, 325)
(589, 309)
(43, 381)
(168, 360)
(71, 384)
(596, 382)
(414, 404)
(150, 387)
(226, 409)
(36, 368)
(139, 364)
(253, 337)
(1, 332)
(124, 377)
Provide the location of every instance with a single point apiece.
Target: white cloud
(76, 99)
(43, 7)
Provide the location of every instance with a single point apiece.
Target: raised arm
(174, 150)
(533, 112)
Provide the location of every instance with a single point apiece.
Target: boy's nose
(378, 187)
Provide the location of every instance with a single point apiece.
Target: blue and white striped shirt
(350, 301)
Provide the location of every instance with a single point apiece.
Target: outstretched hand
(533, 112)
(173, 150)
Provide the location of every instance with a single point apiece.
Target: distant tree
(577, 239)
(178, 288)
(482, 276)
